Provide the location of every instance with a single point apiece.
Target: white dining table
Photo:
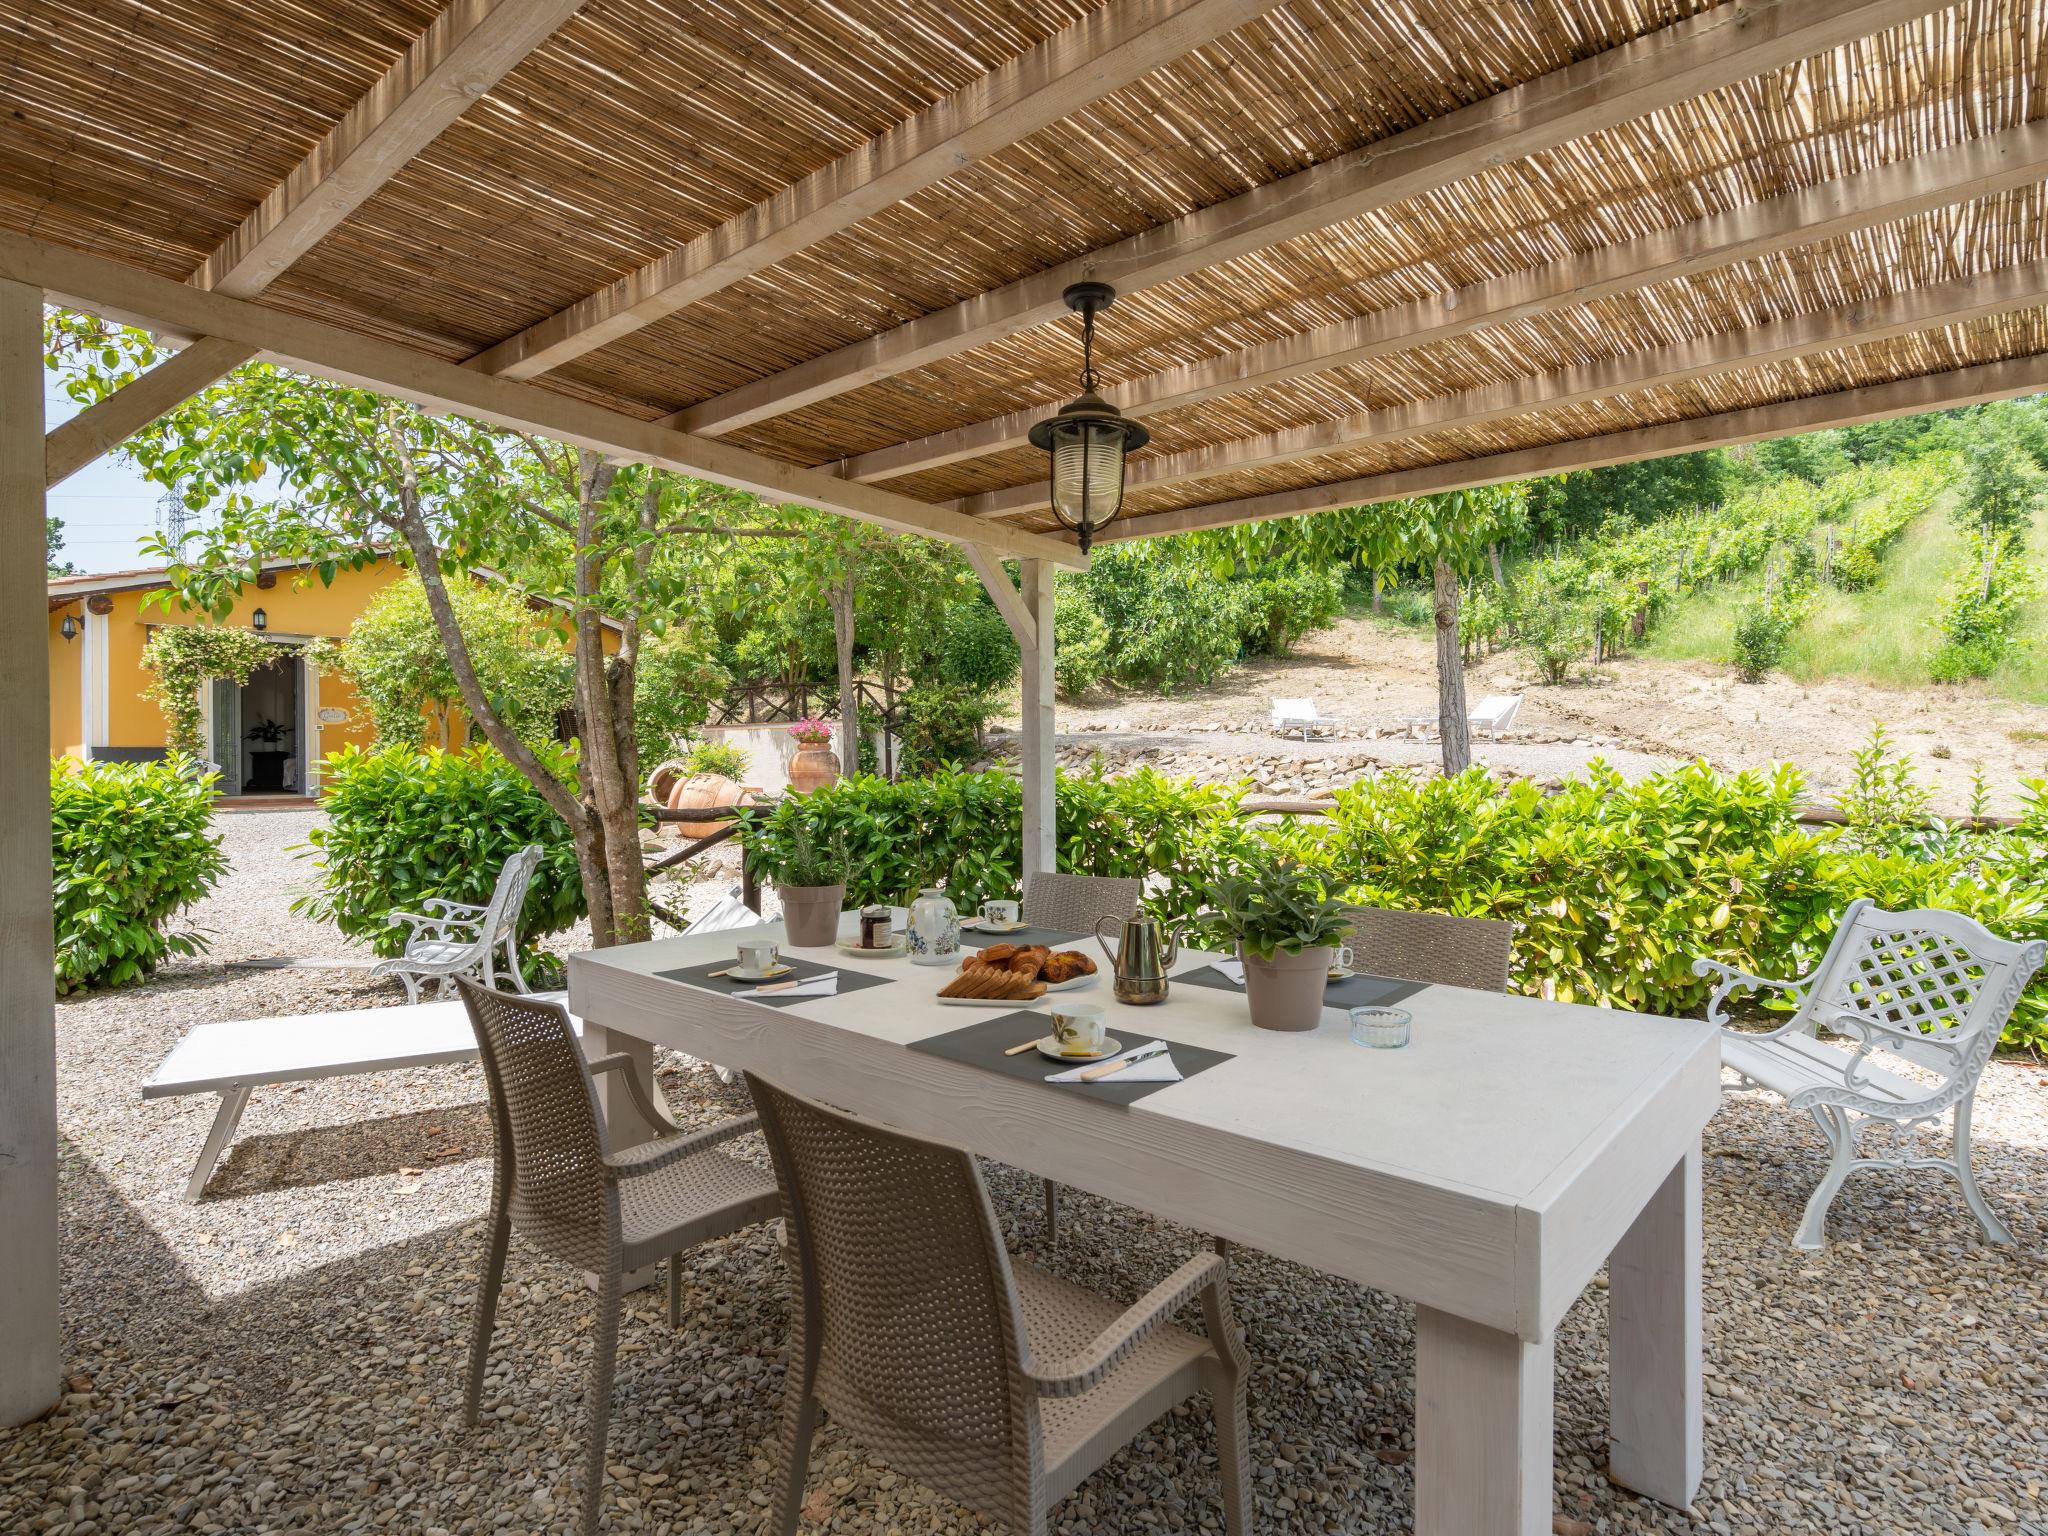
(1485, 1172)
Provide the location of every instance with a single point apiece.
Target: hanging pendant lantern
(1087, 440)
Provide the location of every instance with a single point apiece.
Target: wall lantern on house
(259, 621)
(69, 628)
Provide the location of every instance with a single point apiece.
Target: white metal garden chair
(456, 938)
(1923, 989)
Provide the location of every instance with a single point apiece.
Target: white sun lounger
(1290, 715)
(1495, 713)
(236, 1056)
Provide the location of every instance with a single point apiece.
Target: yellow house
(99, 625)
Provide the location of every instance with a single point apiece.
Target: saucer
(1050, 1046)
(738, 973)
(898, 945)
(1340, 973)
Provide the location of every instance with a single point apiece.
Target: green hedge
(130, 844)
(404, 825)
(1615, 887)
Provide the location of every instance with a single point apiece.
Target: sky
(105, 507)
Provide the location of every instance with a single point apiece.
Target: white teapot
(934, 929)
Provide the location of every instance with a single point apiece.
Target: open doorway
(254, 729)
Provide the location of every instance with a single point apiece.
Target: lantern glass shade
(69, 628)
(1087, 472)
(1087, 442)
(259, 620)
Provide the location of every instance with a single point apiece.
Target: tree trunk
(1500, 575)
(849, 705)
(1378, 606)
(1453, 724)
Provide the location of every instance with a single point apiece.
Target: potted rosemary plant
(810, 880)
(1287, 933)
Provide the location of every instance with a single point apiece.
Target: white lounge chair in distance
(1291, 715)
(1495, 713)
(1927, 989)
(455, 938)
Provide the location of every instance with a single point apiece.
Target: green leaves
(404, 825)
(130, 846)
(1273, 904)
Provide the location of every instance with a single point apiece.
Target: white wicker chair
(456, 938)
(1930, 990)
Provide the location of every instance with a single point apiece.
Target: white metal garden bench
(455, 938)
(1925, 989)
(1290, 715)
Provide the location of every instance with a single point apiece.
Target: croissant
(993, 953)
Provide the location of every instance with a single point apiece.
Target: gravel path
(287, 1355)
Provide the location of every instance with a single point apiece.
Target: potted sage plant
(1287, 933)
(810, 881)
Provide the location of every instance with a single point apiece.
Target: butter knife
(1109, 1069)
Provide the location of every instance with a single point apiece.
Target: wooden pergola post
(30, 1343)
(1029, 614)
(1035, 756)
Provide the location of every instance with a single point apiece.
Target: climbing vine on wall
(182, 657)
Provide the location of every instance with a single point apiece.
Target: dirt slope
(1638, 712)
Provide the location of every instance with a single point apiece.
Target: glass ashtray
(1384, 1029)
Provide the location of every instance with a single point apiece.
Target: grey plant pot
(1286, 992)
(810, 914)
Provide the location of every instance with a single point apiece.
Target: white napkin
(826, 985)
(1153, 1069)
(1234, 969)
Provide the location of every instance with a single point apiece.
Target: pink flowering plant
(811, 731)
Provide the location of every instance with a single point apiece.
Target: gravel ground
(287, 1355)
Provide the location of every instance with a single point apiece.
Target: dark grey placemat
(1051, 938)
(1355, 991)
(800, 970)
(982, 1044)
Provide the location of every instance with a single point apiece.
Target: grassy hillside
(1882, 635)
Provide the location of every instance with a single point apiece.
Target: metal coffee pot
(1139, 962)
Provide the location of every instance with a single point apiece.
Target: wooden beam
(106, 424)
(1010, 603)
(468, 49)
(1843, 408)
(1703, 357)
(1975, 168)
(1100, 54)
(31, 1334)
(1712, 49)
(110, 288)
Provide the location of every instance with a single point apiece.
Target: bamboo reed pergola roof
(1363, 251)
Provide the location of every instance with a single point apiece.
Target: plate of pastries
(1017, 973)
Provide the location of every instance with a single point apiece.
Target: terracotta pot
(1286, 992)
(662, 782)
(706, 791)
(810, 914)
(812, 768)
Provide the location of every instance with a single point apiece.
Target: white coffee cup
(1001, 914)
(1079, 1029)
(1341, 961)
(759, 956)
